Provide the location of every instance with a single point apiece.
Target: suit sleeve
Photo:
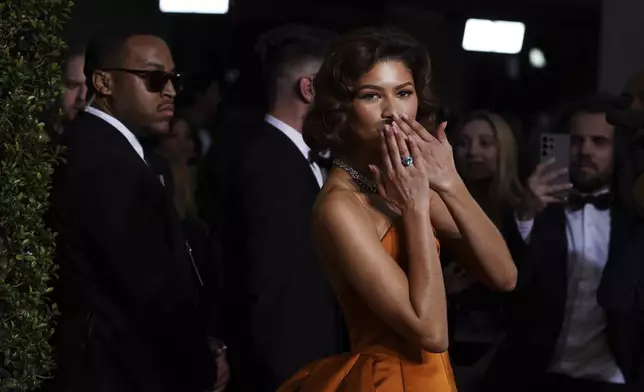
(519, 248)
(275, 243)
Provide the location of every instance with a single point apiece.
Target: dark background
(567, 31)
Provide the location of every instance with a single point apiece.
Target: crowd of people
(340, 240)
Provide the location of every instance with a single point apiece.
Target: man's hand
(457, 279)
(218, 350)
(540, 191)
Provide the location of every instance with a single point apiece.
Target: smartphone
(556, 146)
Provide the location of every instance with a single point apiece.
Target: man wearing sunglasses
(128, 287)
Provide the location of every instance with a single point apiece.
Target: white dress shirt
(297, 139)
(582, 349)
(134, 142)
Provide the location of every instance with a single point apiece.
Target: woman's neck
(491, 203)
(360, 164)
(480, 191)
(175, 162)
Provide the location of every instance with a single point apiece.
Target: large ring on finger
(407, 161)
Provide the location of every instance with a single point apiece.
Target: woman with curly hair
(393, 193)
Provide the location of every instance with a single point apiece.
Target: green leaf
(30, 82)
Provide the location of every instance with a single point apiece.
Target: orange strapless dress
(380, 359)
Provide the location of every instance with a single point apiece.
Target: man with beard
(575, 327)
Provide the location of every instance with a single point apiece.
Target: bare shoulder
(336, 206)
(341, 226)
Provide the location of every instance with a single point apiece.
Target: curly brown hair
(349, 58)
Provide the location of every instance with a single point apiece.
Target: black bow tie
(313, 157)
(323, 162)
(601, 202)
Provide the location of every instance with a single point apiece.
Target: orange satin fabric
(380, 359)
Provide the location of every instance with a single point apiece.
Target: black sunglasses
(156, 79)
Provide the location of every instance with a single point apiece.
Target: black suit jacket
(126, 288)
(281, 313)
(541, 296)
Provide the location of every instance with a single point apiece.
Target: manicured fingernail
(372, 168)
(404, 116)
(395, 128)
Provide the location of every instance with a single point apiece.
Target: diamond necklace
(359, 178)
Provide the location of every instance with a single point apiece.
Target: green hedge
(30, 51)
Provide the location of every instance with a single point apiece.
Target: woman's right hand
(406, 187)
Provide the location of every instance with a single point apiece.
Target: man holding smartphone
(579, 259)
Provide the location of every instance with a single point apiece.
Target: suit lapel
(300, 162)
(155, 191)
(624, 268)
(151, 189)
(551, 251)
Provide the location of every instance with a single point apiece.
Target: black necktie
(601, 202)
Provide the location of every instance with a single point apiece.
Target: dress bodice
(381, 359)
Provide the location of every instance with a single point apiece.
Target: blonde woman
(485, 152)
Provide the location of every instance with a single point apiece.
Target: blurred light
(194, 6)
(231, 75)
(537, 58)
(498, 36)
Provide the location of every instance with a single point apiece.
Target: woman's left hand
(436, 151)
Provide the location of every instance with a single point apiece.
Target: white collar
(134, 142)
(295, 136)
(601, 192)
(596, 193)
